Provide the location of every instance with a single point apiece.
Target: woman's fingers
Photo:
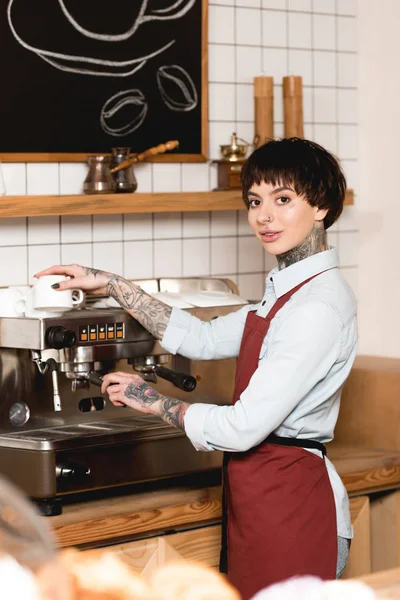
(70, 270)
(118, 377)
(116, 394)
(86, 283)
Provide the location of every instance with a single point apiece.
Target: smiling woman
(294, 191)
(286, 510)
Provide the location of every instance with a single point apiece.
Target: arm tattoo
(171, 410)
(95, 272)
(142, 393)
(151, 313)
(315, 242)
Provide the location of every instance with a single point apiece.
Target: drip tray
(97, 433)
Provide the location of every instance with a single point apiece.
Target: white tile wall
(138, 259)
(81, 254)
(196, 257)
(224, 255)
(312, 38)
(13, 232)
(76, 228)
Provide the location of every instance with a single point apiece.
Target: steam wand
(43, 367)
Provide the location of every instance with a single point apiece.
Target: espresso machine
(59, 435)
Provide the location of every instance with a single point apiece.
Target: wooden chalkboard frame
(166, 158)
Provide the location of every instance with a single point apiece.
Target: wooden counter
(97, 522)
(385, 584)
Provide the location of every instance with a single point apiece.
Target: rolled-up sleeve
(202, 340)
(305, 347)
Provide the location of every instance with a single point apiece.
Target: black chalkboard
(82, 76)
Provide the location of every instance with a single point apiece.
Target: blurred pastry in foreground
(102, 576)
(185, 580)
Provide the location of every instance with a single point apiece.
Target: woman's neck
(315, 242)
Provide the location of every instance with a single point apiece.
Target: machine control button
(102, 332)
(58, 337)
(83, 333)
(119, 330)
(111, 331)
(93, 333)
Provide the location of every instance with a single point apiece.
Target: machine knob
(71, 470)
(58, 337)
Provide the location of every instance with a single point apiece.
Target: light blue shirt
(304, 361)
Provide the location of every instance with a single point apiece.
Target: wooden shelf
(101, 204)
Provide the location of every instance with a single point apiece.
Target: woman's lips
(270, 236)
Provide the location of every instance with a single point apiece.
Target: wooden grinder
(263, 109)
(293, 106)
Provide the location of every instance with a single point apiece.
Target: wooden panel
(202, 544)
(92, 204)
(360, 550)
(136, 515)
(365, 470)
(385, 531)
(370, 410)
(386, 584)
(22, 206)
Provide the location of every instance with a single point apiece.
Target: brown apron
(279, 510)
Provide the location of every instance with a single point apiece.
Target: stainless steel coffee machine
(59, 435)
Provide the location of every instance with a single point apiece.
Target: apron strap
(283, 299)
(298, 442)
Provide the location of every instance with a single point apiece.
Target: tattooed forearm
(314, 243)
(171, 410)
(151, 313)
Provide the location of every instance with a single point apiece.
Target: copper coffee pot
(102, 175)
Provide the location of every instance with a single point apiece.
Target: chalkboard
(82, 76)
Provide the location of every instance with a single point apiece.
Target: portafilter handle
(184, 382)
(187, 383)
(95, 378)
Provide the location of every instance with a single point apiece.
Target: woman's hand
(83, 278)
(128, 389)
(125, 389)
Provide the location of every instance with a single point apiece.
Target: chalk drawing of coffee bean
(123, 113)
(177, 88)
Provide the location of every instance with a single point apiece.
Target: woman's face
(280, 218)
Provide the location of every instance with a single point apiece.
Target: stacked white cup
(40, 301)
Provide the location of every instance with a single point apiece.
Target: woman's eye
(283, 200)
(254, 202)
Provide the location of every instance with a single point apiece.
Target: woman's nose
(265, 216)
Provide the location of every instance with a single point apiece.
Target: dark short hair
(310, 169)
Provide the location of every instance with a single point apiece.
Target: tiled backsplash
(312, 38)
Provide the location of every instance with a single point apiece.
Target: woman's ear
(320, 213)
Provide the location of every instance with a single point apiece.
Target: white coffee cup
(47, 299)
(12, 302)
(31, 312)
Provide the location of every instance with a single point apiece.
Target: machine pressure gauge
(19, 414)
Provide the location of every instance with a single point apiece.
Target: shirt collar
(289, 277)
